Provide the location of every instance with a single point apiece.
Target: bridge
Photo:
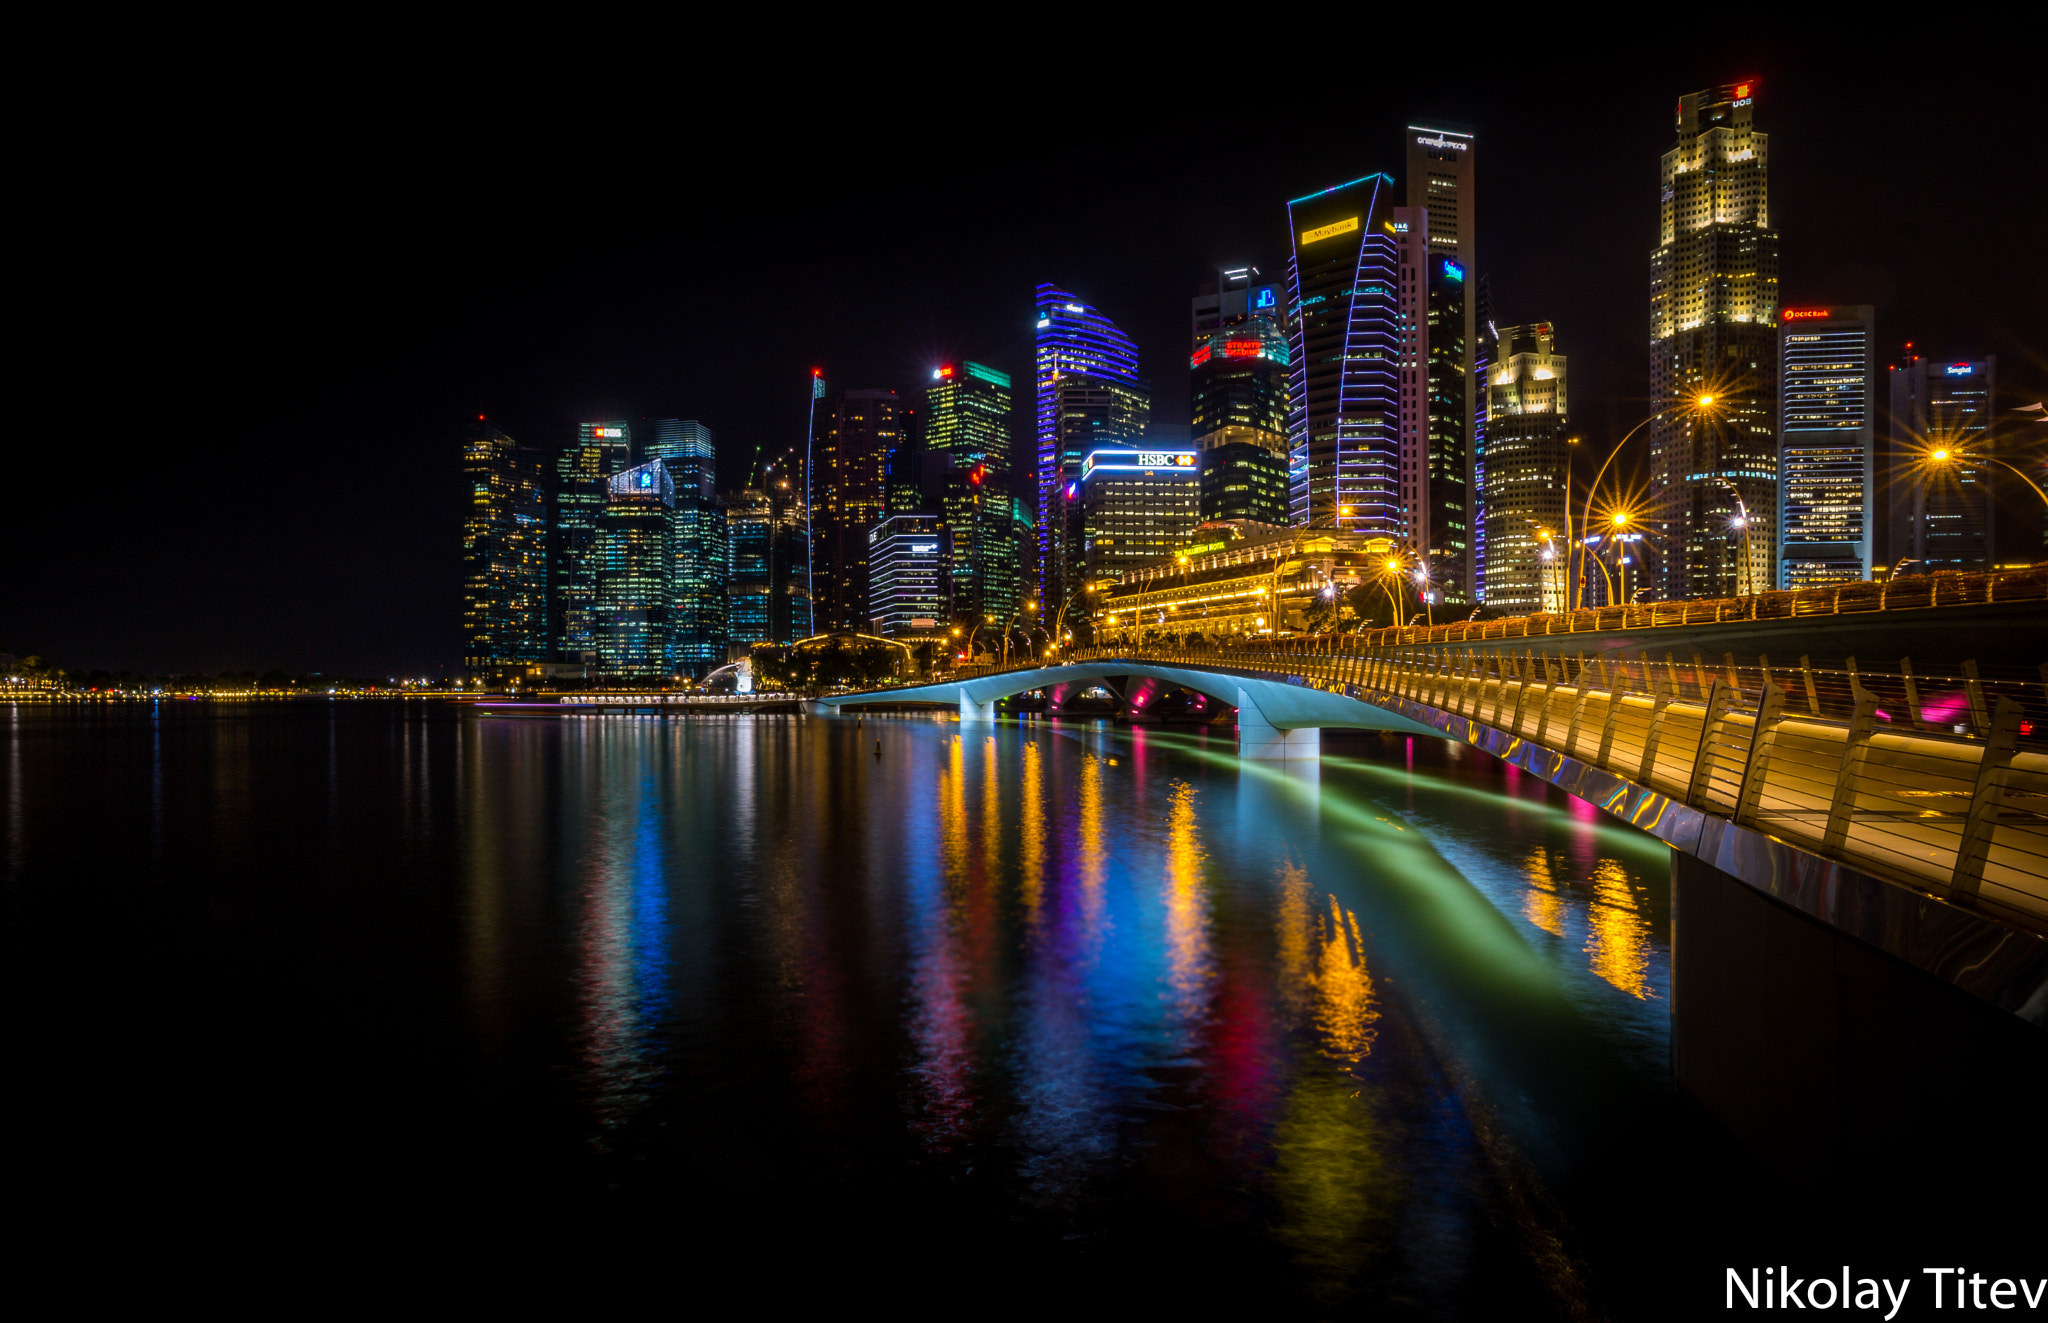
(1859, 857)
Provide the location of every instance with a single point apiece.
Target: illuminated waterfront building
(504, 555)
(582, 472)
(1436, 403)
(1713, 330)
(765, 596)
(1826, 435)
(1138, 502)
(908, 577)
(967, 444)
(1240, 580)
(634, 563)
(1343, 435)
(1527, 460)
(853, 433)
(1943, 515)
(1088, 394)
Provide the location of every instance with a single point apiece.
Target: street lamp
(1699, 404)
(1944, 457)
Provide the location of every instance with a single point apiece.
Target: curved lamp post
(1698, 405)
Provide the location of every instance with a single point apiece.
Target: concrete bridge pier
(1260, 738)
(972, 712)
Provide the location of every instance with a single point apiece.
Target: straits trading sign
(1330, 231)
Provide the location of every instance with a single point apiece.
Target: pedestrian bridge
(1859, 860)
(1278, 715)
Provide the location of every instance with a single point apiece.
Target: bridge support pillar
(1260, 738)
(972, 712)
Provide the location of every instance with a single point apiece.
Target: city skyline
(380, 603)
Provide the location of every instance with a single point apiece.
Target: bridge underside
(1275, 719)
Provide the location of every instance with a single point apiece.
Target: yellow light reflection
(1541, 903)
(1187, 918)
(1619, 936)
(1346, 1014)
(1031, 851)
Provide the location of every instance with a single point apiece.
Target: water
(1029, 1009)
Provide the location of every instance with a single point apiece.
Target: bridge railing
(1937, 781)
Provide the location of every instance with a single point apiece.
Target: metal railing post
(1812, 696)
(1986, 799)
(1719, 699)
(1660, 699)
(1844, 803)
(1607, 726)
(1912, 693)
(1980, 725)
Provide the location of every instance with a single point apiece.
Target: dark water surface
(1035, 1009)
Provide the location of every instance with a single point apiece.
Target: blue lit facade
(634, 574)
(1344, 426)
(1088, 394)
(700, 549)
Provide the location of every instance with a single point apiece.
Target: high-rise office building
(1440, 272)
(1239, 397)
(1485, 351)
(635, 596)
(1942, 515)
(1436, 404)
(1088, 394)
(967, 443)
(699, 546)
(1826, 434)
(582, 474)
(766, 601)
(1138, 502)
(1528, 458)
(504, 554)
(1713, 331)
(853, 433)
(908, 577)
(1344, 428)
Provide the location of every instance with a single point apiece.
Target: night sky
(260, 309)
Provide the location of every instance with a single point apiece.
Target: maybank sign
(1346, 226)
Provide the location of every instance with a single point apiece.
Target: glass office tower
(582, 472)
(1826, 435)
(853, 433)
(1714, 330)
(908, 577)
(1436, 405)
(699, 544)
(1343, 436)
(635, 574)
(504, 555)
(1238, 380)
(1944, 516)
(967, 441)
(1139, 502)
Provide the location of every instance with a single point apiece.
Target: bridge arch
(1275, 719)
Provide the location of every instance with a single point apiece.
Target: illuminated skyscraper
(635, 574)
(967, 439)
(504, 555)
(1138, 502)
(1826, 468)
(1485, 352)
(908, 577)
(1943, 515)
(1238, 378)
(1088, 393)
(1344, 431)
(700, 550)
(766, 593)
(1713, 330)
(1436, 405)
(1528, 456)
(853, 433)
(1441, 394)
(582, 472)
